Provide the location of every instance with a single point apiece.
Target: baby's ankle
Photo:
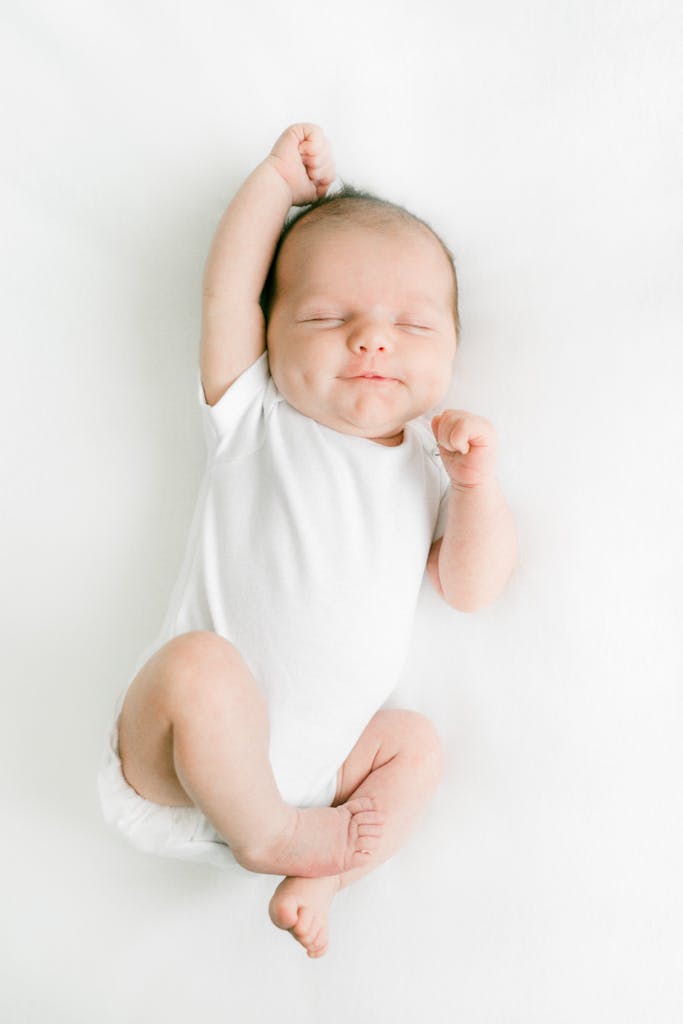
(260, 853)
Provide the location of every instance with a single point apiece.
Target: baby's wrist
(489, 483)
(279, 174)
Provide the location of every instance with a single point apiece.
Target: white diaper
(182, 832)
(169, 831)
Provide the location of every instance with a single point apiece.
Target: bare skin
(405, 763)
(361, 351)
(194, 730)
(301, 906)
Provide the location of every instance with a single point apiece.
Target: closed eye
(415, 327)
(323, 320)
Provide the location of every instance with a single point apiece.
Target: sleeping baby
(253, 730)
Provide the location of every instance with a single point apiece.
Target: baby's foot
(319, 841)
(301, 906)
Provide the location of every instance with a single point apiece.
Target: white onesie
(307, 551)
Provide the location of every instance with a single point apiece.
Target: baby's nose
(372, 338)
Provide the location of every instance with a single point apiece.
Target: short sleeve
(235, 422)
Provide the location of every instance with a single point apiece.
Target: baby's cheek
(437, 385)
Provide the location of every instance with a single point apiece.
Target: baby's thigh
(147, 715)
(389, 732)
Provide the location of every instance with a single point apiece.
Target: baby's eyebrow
(419, 301)
(317, 298)
(320, 303)
(319, 311)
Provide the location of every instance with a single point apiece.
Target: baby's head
(360, 286)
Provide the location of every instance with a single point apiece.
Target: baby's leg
(399, 760)
(194, 730)
(405, 770)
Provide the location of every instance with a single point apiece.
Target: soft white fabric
(307, 550)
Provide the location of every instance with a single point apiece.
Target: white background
(542, 140)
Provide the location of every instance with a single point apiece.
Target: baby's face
(354, 300)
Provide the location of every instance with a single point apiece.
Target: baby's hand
(467, 445)
(303, 157)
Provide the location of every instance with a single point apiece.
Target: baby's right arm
(298, 170)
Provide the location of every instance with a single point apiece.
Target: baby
(254, 728)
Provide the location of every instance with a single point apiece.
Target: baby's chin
(372, 417)
(372, 428)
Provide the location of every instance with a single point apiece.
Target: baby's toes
(367, 841)
(371, 822)
(370, 832)
(367, 807)
(314, 939)
(366, 827)
(319, 944)
(303, 928)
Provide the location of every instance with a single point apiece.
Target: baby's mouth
(370, 376)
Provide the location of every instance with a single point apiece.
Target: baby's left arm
(472, 562)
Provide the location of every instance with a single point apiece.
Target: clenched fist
(303, 157)
(467, 445)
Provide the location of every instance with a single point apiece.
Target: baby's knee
(416, 737)
(424, 745)
(195, 671)
(197, 649)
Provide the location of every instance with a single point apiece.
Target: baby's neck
(390, 442)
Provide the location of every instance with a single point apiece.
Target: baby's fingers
(455, 444)
(323, 178)
(459, 431)
(317, 167)
(321, 174)
(451, 434)
(314, 140)
(316, 151)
